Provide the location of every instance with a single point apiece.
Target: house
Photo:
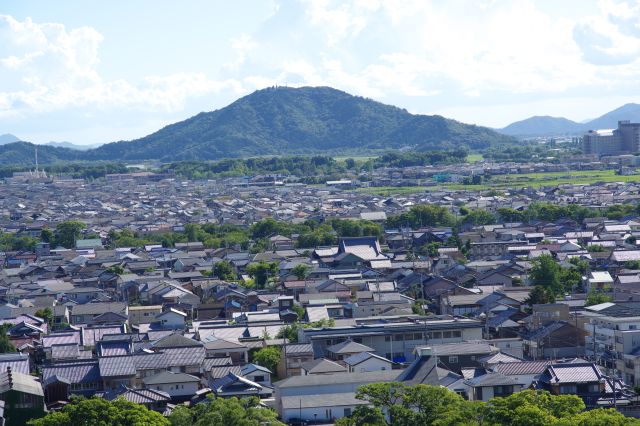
(490, 385)
(456, 356)
(324, 397)
(257, 374)
(216, 348)
(366, 361)
(61, 380)
(346, 349)
(553, 340)
(179, 386)
(292, 359)
(172, 319)
(85, 314)
(151, 398)
(23, 397)
(235, 385)
(143, 314)
(321, 366)
(581, 378)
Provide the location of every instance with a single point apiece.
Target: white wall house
(175, 384)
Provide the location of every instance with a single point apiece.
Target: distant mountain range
(282, 121)
(559, 126)
(8, 138)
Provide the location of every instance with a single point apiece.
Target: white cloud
(46, 67)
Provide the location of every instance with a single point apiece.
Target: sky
(89, 71)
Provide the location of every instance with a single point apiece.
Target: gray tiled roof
(73, 372)
(17, 362)
(349, 347)
(522, 368)
(345, 378)
(170, 377)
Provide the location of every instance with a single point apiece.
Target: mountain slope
(543, 126)
(24, 153)
(558, 126)
(8, 138)
(610, 120)
(298, 121)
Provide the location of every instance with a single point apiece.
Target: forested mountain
(24, 153)
(543, 126)
(306, 120)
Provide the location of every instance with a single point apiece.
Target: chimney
(9, 377)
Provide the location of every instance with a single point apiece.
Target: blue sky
(97, 71)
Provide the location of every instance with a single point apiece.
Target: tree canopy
(100, 412)
(435, 405)
(225, 412)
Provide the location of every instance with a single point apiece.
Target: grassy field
(474, 158)
(504, 182)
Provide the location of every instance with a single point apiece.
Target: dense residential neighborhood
(165, 292)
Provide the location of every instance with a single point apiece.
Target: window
(347, 412)
(437, 335)
(458, 334)
(453, 359)
(417, 336)
(568, 389)
(387, 338)
(357, 339)
(398, 337)
(502, 390)
(446, 335)
(258, 378)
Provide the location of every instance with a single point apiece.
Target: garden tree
(412, 405)
(100, 412)
(618, 211)
(116, 269)
(47, 236)
(299, 310)
(423, 215)
(363, 415)
(435, 405)
(580, 264)
(539, 296)
(595, 297)
(46, 314)
(68, 232)
(262, 271)
(192, 230)
(11, 242)
(595, 248)
(224, 271)
(431, 249)
(301, 271)
(546, 273)
(356, 228)
(540, 408)
(510, 215)
(225, 412)
(268, 357)
(5, 344)
(290, 331)
(570, 278)
(632, 264)
(479, 217)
